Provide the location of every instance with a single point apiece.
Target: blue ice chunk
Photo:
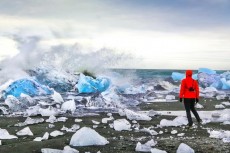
(206, 70)
(226, 84)
(194, 76)
(87, 84)
(180, 76)
(177, 76)
(28, 87)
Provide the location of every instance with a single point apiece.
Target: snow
(69, 106)
(56, 133)
(121, 124)
(145, 147)
(25, 131)
(87, 84)
(178, 121)
(57, 97)
(184, 148)
(131, 115)
(87, 137)
(4, 134)
(28, 87)
(155, 150)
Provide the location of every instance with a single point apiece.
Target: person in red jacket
(189, 91)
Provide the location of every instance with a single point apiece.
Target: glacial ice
(87, 84)
(56, 133)
(145, 147)
(178, 121)
(4, 134)
(30, 121)
(48, 111)
(45, 137)
(25, 131)
(220, 134)
(69, 106)
(28, 87)
(184, 148)
(59, 80)
(57, 97)
(67, 149)
(131, 115)
(155, 150)
(121, 124)
(87, 137)
(176, 76)
(149, 130)
(206, 70)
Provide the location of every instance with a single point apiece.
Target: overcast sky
(169, 34)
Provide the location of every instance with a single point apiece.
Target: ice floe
(87, 137)
(184, 148)
(121, 124)
(4, 134)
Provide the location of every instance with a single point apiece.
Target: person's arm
(181, 95)
(197, 91)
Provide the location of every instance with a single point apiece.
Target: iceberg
(226, 84)
(131, 115)
(178, 121)
(4, 134)
(121, 124)
(87, 84)
(183, 148)
(176, 76)
(87, 137)
(56, 133)
(206, 70)
(69, 106)
(60, 81)
(25, 131)
(28, 87)
(145, 147)
(155, 150)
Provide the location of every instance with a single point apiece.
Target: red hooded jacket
(186, 84)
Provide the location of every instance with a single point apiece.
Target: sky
(157, 34)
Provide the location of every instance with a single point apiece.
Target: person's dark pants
(189, 104)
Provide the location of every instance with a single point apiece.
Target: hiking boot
(199, 121)
(188, 127)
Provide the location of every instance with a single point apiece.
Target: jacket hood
(188, 73)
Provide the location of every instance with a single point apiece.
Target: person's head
(188, 73)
